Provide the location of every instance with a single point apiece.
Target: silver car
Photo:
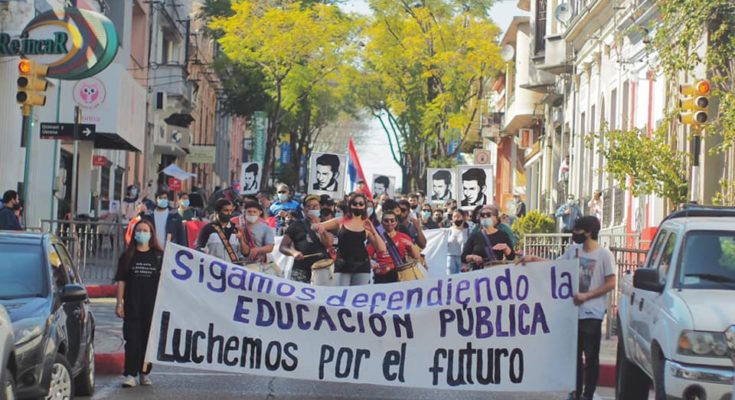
(7, 357)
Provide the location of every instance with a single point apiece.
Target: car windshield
(708, 261)
(21, 271)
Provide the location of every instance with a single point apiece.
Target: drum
(322, 272)
(270, 268)
(411, 271)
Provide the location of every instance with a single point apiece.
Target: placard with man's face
(441, 185)
(326, 175)
(250, 177)
(476, 185)
(383, 184)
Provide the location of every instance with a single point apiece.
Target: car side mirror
(647, 279)
(72, 292)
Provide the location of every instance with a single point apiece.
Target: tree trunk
(271, 135)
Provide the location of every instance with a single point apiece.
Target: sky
(373, 147)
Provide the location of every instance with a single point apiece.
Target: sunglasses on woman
(358, 204)
(487, 215)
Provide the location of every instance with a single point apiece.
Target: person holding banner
(258, 236)
(303, 244)
(352, 267)
(138, 272)
(398, 245)
(488, 244)
(220, 238)
(596, 279)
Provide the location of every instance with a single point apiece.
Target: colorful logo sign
(74, 44)
(89, 93)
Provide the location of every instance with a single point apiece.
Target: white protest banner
(507, 328)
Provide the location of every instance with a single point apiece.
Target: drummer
(402, 244)
(302, 243)
(488, 243)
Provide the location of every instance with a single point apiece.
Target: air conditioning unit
(526, 138)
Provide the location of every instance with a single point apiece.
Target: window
(540, 36)
(21, 271)
(68, 264)
(657, 248)
(667, 255)
(708, 260)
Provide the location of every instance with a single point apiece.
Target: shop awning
(112, 141)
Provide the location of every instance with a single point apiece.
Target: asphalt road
(183, 384)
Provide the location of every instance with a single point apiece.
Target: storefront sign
(99, 161)
(201, 154)
(174, 184)
(260, 129)
(73, 43)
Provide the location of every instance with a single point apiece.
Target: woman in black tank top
(352, 267)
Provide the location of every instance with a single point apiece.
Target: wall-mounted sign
(99, 161)
(58, 131)
(73, 43)
(201, 154)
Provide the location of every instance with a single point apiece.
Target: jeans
(454, 264)
(589, 335)
(350, 279)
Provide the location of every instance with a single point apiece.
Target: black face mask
(415, 206)
(579, 238)
(358, 212)
(224, 218)
(458, 222)
(16, 206)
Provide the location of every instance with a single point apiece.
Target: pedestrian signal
(694, 104)
(32, 84)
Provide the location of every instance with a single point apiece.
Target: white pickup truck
(676, 322)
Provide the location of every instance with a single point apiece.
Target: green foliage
(533, 222)
(651, 163)
(443, 162)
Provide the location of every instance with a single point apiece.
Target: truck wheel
(84, 382)
(630, 383)
(657, 361)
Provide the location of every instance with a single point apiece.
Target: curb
(114, 364)
(109, 363)
(99, 291)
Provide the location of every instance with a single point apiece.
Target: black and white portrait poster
(250, 177)
(441, 185)
(326, 174)
(476, 185)
(383, 184)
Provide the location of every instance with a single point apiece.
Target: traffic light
(694, 104)
(32, 84)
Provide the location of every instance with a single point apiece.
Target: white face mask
(251, 218)
(370, 211)
(282, 196)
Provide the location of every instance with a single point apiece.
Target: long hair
(130, 251)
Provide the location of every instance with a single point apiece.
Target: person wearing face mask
(596, 279)
(568, 212)
(371, 213)
(487, 244)
(11, 203)
(168, 223)
(138, 272)
(187, 213)
(301, 240)
(352, 266)
(283, 206)
(458, 234)
(221, 238)
(427, 222)
(259, 237)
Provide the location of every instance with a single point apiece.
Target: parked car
(52, 320)
(677, 312)
(7, 357)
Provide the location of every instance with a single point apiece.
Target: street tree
(423, 73)
(298, 47)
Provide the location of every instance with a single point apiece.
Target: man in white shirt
(596, 280)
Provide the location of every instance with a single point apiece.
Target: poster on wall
(441, 184)
(383, 184)
(250, 177)
(476, 184)
(326, 174)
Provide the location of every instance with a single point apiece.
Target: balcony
(171, 79)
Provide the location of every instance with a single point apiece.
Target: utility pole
(75, 177)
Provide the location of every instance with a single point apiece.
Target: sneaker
(129, 381)
(572, 396)
(145, 380)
